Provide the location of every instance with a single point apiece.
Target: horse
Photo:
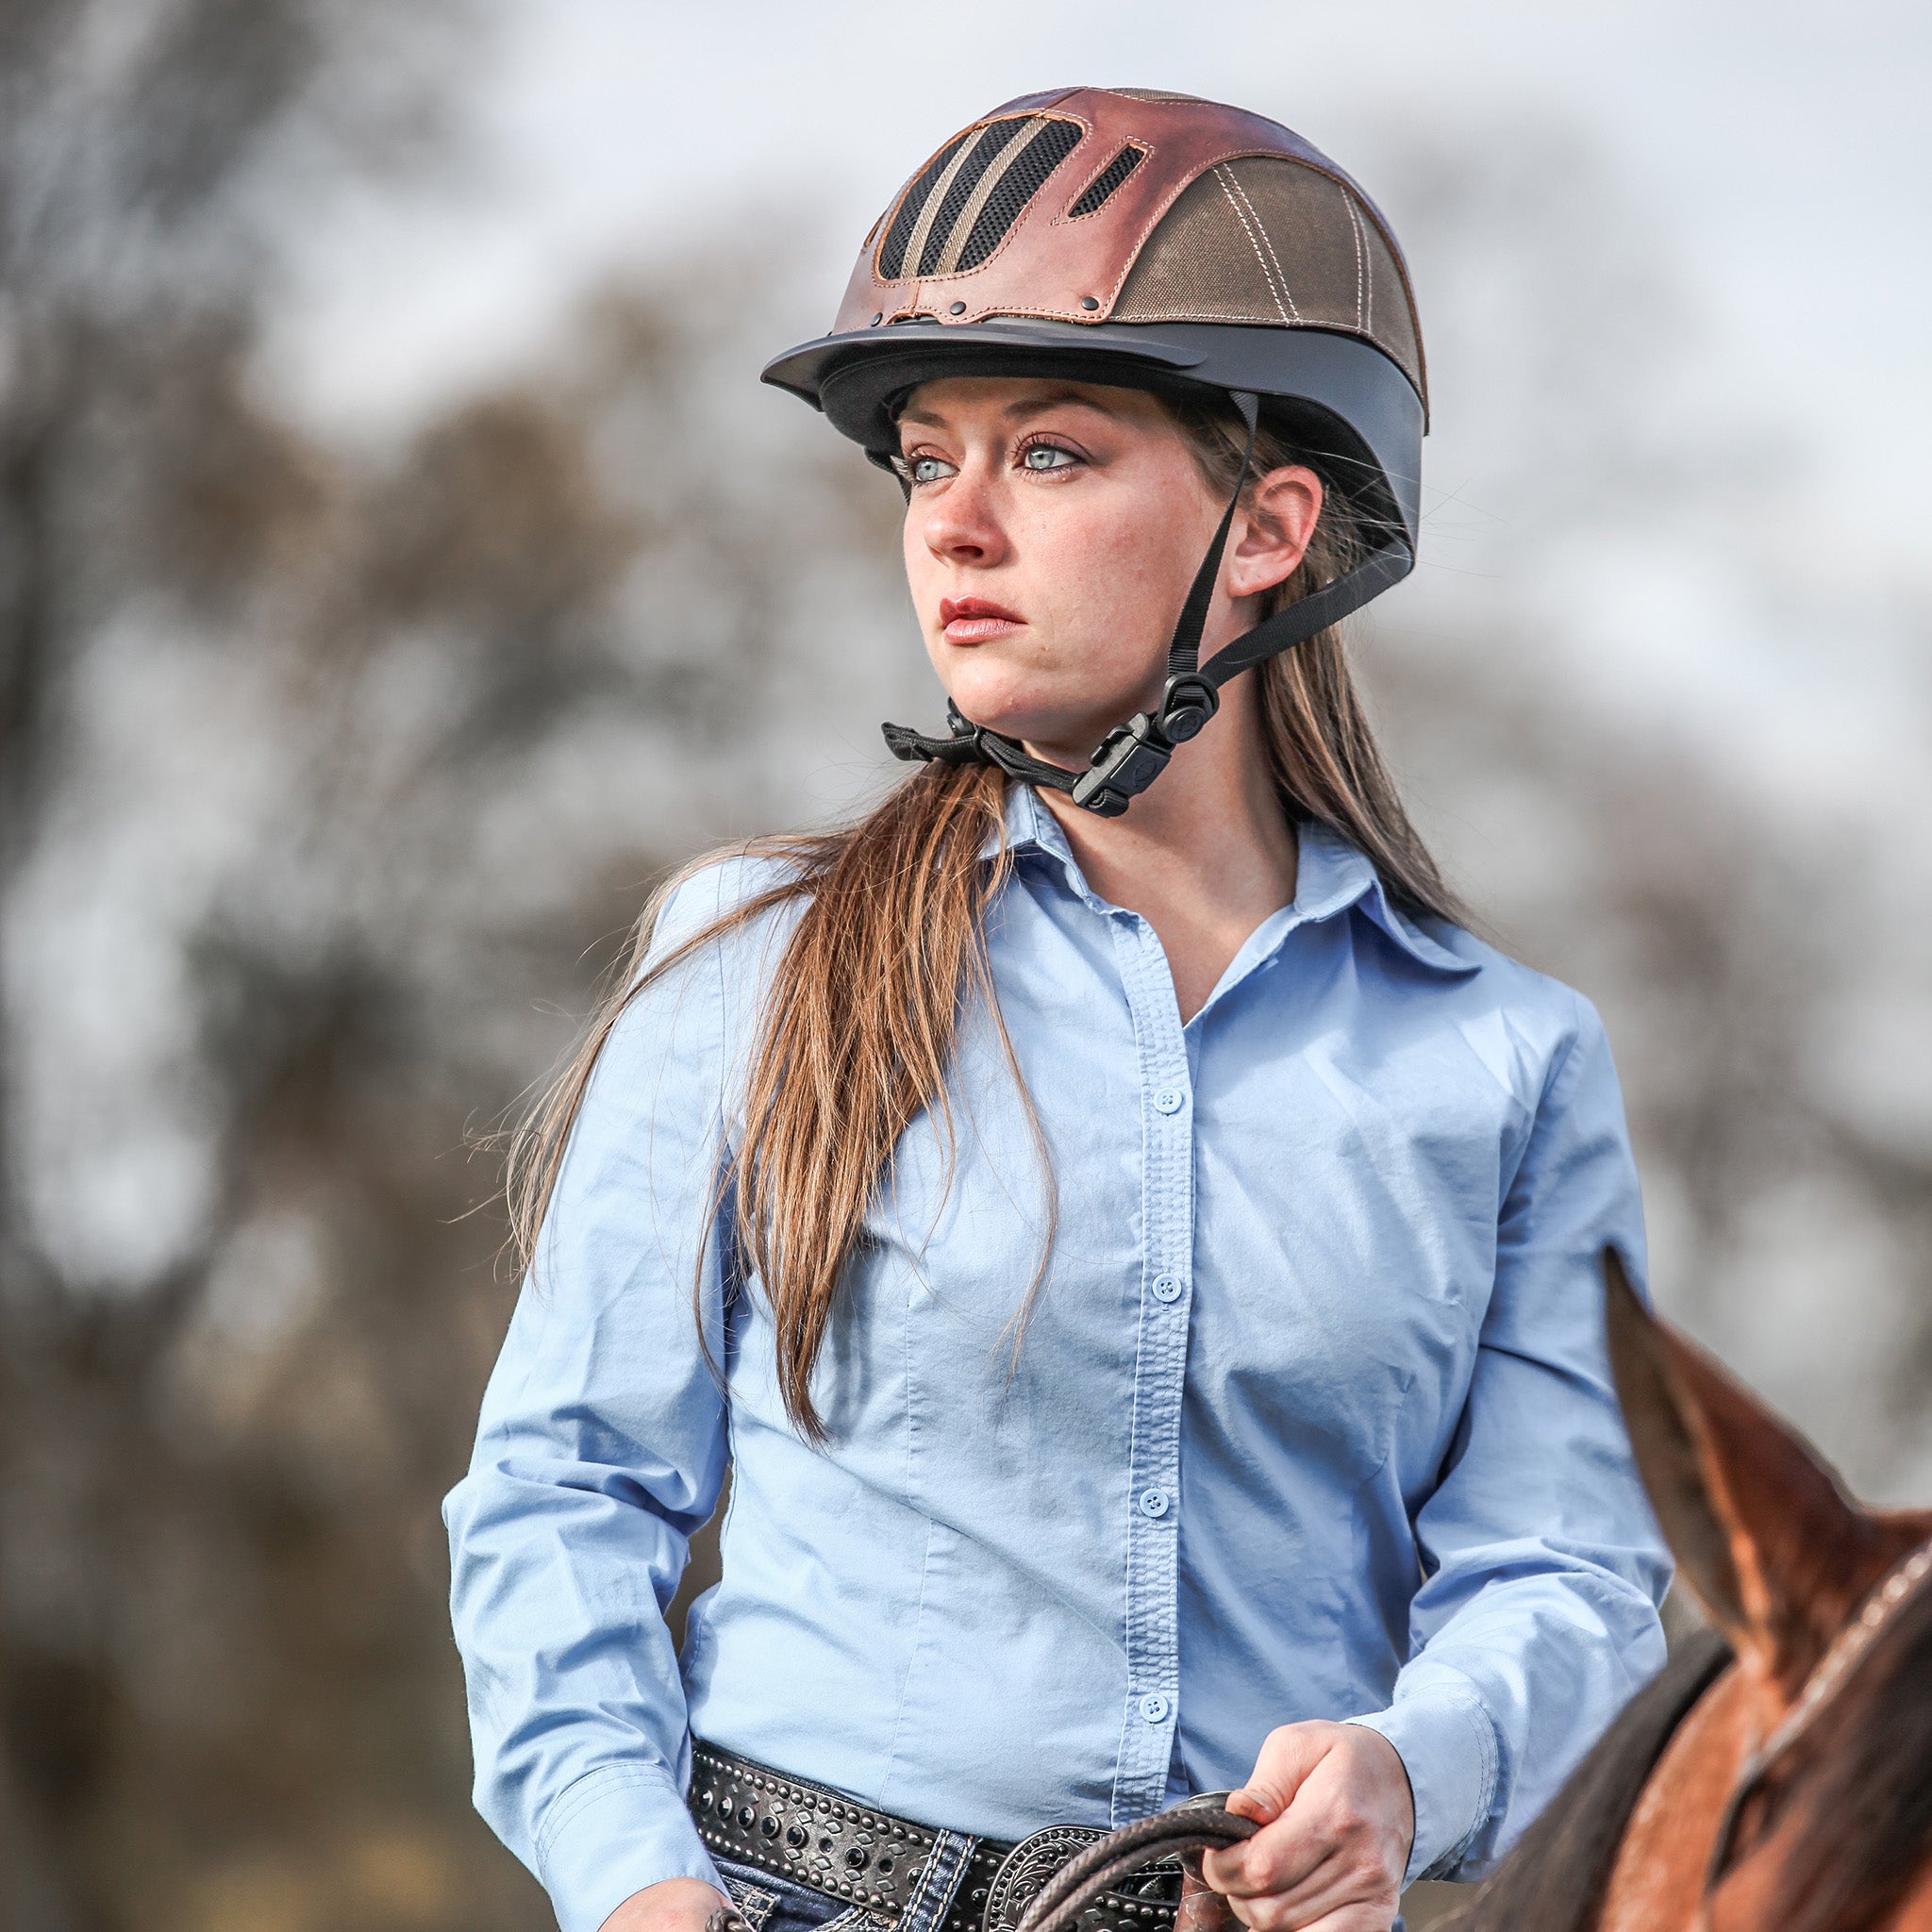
(1778, 1773)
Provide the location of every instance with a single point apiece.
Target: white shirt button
(1166, 1289)
(1153, 1502)
(1168, 1100)
(1154, 1707)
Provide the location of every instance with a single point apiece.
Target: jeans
(770, 1904)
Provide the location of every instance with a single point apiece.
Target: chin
(1004, 703)
(1031, 724)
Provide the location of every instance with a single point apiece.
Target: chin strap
(1133, 754)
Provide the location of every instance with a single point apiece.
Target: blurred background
(400, 565)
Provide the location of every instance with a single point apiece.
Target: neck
(1203, 855)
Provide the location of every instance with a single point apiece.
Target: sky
(1782, 149)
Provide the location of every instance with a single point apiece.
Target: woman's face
(1053, 531)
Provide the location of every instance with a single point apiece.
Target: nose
(962, 525)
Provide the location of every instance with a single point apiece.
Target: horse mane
(1866, 1782)
(1553, 1881)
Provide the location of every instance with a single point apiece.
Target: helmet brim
(1333, 394)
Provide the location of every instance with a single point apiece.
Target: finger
(1342, 1882)
(1246, 1804)
(1279, 1857)
(1288, 1755)
(1279, 1911)
(1363, 1918)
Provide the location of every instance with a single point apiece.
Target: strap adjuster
(1133, 754)
(1186, 706)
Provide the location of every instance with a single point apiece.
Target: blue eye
(929, 469)
(1047, 456)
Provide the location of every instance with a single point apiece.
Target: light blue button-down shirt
(1307, 1417)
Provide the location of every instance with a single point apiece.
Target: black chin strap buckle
(1186, 704)
(1133, 754)
(1130, 758)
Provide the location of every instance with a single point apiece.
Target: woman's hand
(1337, 1820)
(675, 1904)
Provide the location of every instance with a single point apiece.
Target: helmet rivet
(1089, 302)
(878, 318)
(958, 309)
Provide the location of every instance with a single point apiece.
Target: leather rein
(1199, 1825)
(1828, 1677)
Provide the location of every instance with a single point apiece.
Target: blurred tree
(316, 777)
(161, 1578)
(321, 777)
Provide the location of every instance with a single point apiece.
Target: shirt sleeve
(602, 1447)
(1537, 1619)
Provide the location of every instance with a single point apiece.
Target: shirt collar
(1029, 827)
(1331, 875)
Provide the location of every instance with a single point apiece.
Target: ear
(1278, 519)
(1776, 1552)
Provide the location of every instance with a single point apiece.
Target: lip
(975, 620)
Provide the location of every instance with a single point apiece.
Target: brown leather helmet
(1149, 240)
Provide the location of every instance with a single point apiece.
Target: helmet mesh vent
(1093, 197)
(1017, 186)
(993, 142)
(892, 256)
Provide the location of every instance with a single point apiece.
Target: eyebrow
(1016, 412)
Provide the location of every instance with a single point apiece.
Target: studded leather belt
(817, 1837)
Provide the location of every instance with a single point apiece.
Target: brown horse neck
(1656, 1884)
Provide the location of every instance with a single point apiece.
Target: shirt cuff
(614, 1831)
(1447, 1744)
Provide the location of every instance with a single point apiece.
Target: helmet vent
(971, 194)
(1049, 146)
(997, 139)
(892, 256)
(1093, 197)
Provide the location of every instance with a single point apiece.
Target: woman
(1138, 1255)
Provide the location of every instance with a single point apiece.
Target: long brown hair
(859, 1019)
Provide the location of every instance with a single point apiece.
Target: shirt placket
(1161, 1356)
